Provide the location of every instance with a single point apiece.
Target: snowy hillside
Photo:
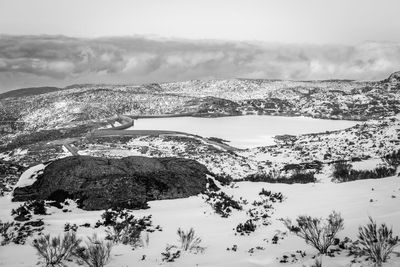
(73, 163)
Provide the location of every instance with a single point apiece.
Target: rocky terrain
(64, 163)
(100, 183)
(47, 121)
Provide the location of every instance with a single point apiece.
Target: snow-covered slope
(352, 200)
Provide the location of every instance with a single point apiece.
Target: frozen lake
(243, 131)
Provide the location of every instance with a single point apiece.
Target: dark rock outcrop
(101, 183)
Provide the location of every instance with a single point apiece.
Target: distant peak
(393, 82)
(394, 76)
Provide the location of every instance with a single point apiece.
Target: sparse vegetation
(377, 243)
(353, 144)
(246, 228)
(124, 228)
(222, 203)
(292, 257)
(272, 196)
(96, 253)
(24, 211)
(392, 159)
(68, 227)
(316, 233)
(189, 241)
(4, 232)
(38, 207)
(224, 179)
(343, 172)
(10, 116)
(17, 233)
(53, 251)
(171, 253)
(317, 262)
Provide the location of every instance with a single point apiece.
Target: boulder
(101, 183)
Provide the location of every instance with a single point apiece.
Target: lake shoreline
(243, 131)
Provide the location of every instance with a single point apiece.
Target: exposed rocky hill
(101, 183)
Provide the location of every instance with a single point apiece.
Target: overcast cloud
(58, 60)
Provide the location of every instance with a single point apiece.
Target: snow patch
(30, 175)
(368, 164)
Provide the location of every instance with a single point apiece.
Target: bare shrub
(316, 233)
(171, 253)
(189, 241)
(4, 232)
(95, 254)
(125, 228)
(317, 263)
(54, 250)
(127, 233)
(377, 243)
(222, 203)
(17, 233)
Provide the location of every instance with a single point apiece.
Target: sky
(60, 42)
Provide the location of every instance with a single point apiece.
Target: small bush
(272, 196)
(124, 228)
(317, 263)
(189, 241)
(22, 213)
(341, 170)
(95, 254)
(68, 227)
(38, 207)
(55, 250)
(127, 234)
(246, 228)
(222, 203)
(110, 217)
(225, 180)
(313, 231)
(171, 254)
(377, 243)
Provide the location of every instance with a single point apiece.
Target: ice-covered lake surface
(243, 131)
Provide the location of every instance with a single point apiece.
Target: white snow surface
(243, 131)
(30, 175)
(368, 164)
(351, 199)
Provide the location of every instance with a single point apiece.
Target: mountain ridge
(29, 91)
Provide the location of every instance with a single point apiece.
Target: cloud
(60, 60)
